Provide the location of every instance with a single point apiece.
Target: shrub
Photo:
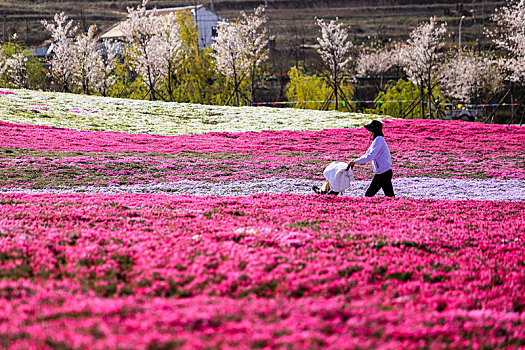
(402, 93)
(311, 88)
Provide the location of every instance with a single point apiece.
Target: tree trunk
(335, 91)
(422, 92)
(429, 92)
(170, 78)
(252, 90)
(236, 89)
(150, 86)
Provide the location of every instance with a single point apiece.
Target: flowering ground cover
(42, 157)
(210, 238)
(82, 112)
(412, 187)
(158, 271)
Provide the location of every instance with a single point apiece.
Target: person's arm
(371, 154)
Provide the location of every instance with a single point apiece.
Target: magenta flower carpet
(121, 241)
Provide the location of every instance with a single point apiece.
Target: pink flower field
(37, 157)
(262, 270)
(158, 271)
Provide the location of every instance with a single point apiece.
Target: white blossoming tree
(468, 77)
(3, 63)
(230, 57)
(63, 61)
(334, 48)
(87, 61)
(171, 44)
(376, 61)
(509, 35)
(107, 65)
(421, 57)
(145, 47)
(19, 68)
(16, 69)
(253, 32)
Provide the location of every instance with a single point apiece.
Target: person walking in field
(379, 155)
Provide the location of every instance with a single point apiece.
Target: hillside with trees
(290, 21)
(257, 57)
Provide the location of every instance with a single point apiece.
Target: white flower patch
(415, 187)
(81, 112)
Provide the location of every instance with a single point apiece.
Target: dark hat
(375, 126)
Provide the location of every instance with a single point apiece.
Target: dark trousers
(381, 181)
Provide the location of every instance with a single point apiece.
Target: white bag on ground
(337, 176)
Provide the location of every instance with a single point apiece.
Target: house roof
(115, 31)
(166, 11)
(40, 52)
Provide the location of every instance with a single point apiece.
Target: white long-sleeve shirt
(379, 154)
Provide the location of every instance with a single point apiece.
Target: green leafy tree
(127, 84)
(199, 82)
(196, 80)
(306, 88)
(397, 98)
(311, 88)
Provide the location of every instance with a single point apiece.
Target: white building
(205, 19)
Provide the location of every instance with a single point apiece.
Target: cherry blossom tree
(230, 56)
(63, 61)
(3, 64)
(87, 61)
(107, 65)
(14, 61)
(377, 61)
(253, 32)
(19, 68)
(16, 69)
(468, 77)
(509, 35)
(145, 47)
(334, 48)
(239, 50)
(171, 44)
(421, 57)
